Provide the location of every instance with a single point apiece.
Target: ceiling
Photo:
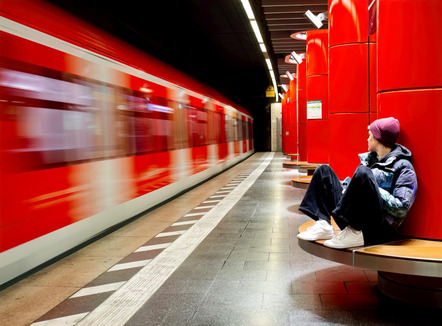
(284, 18)
(211, 40)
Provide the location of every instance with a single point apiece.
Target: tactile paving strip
(74, 309)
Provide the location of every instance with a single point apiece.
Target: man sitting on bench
(377, 199)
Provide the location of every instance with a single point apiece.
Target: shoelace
(343, 233)
(313, 227)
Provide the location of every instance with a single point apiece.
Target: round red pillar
(373, 70)
(284, 123)
(302, 111)
(317, 97)
(349, 83)
(293, 116)
(410, 89)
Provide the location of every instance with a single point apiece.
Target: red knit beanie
(385, 131)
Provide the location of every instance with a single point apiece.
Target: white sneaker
(320, 230)
(347, 238)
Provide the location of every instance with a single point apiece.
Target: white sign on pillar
(314, 110)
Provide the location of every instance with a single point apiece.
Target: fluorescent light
(299, 36)
(249, 12)
(296, 57)
(257, 31)
(289, 75)
(248, 9)
(316, 20)
(284, 87)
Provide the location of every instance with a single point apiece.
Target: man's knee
(324, 169)
(362, 172)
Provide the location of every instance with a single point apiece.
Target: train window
(54, 118)
(31, 86)
(214, 127)
(143, 124)
(244, 129)
(222, 128)
(190, 122)
(239, 128)
(51, 121)
(161, 123)
(230, 128)
(128, 123)
(197, 125)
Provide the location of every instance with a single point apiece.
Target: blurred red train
(94, 132)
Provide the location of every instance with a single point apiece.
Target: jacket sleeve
(397, 203)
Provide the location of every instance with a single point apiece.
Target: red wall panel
(302, 75)
(317, 90)
(293, 123)
(284, 123)
(414, 96)
(348, 138)
(348, 78)
(302, 111)
(318, 135)
(317, 52)
(416, 44)
(421, 132)
(303, 141)
(373, 83)
(350, 24)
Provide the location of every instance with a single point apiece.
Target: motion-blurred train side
(94, 132)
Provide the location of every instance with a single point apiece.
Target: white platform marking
(65, 321)
(169, 234)
(119, 267)
(194, 214)
(98, 289)
(153, 247)
(125, 302)
(220, 196)
(184, 223)
(211, 201)
(204, 207)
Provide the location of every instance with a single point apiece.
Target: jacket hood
(399, 152)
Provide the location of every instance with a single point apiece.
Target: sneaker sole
(315, 239)
(342, 246)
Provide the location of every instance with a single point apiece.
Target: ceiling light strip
(249, 12)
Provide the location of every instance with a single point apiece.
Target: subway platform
(224, 253)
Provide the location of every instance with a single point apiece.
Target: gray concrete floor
(248, 271)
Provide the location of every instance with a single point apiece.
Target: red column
(349, 83)
(318, 133)
(293, 116)
(302, 111)
(410, 89)
(284, 123)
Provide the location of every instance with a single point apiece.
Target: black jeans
(361, 205)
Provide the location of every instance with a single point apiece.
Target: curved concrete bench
(301, 182)
(299, 164)
(293, 157)
(409, 270)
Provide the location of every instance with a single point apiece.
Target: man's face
(372, 142)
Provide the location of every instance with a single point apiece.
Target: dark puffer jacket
(397, 181)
